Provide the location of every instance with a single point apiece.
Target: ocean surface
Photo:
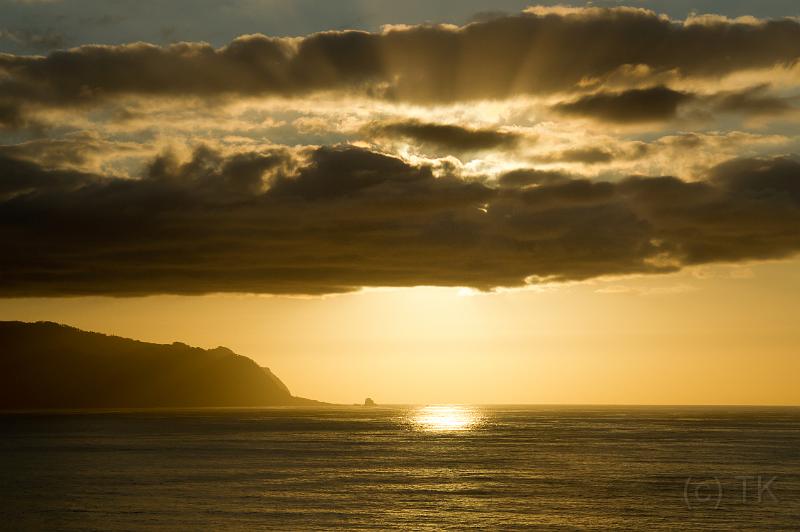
(641, 468)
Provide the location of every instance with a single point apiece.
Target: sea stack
(369, 402)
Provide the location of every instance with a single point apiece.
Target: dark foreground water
(409, 468)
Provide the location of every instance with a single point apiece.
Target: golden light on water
(446, 418)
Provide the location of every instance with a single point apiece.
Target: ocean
(435, 467)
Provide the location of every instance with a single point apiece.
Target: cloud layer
(542, 51)
(448, 138)
(334, 219)
(559, 144)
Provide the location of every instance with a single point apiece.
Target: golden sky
(721, 335)
(548, 205)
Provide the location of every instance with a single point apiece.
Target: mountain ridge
(47, 365)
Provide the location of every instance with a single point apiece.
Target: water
(405, 467)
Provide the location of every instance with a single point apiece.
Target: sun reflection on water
(445, 418)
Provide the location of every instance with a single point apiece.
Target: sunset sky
(449, 202)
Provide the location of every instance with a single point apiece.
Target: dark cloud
(525, 177)
(578, 155)
(334, 219)
(447, 137)
(632, 106)
(11, 115)
(747, 209)
(497, 58)
(21, 177)
(218, 179)
(753, 101)
(661, 103)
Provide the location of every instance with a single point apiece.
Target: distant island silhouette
(48, 365)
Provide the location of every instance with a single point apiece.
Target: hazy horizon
(352, 397)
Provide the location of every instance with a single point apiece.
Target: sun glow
(446, 418)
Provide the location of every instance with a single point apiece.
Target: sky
(419, 202)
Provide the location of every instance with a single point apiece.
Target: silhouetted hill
(47, 365)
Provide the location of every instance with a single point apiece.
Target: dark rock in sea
(47, 365)
(369, 402)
